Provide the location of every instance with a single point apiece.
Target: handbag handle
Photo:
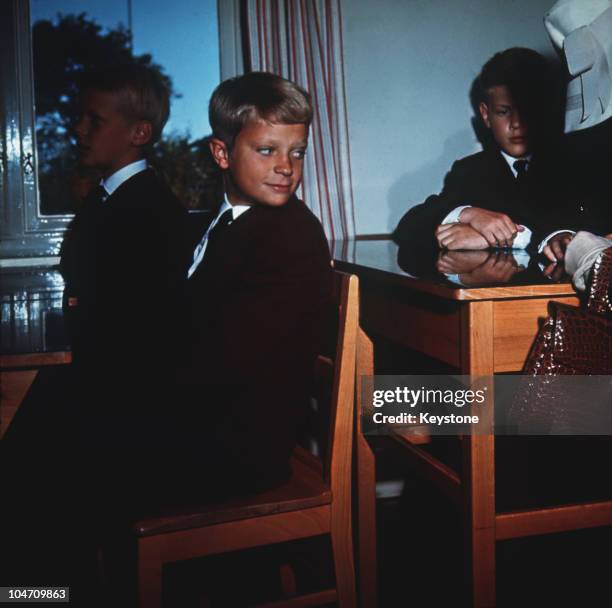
(598, 300)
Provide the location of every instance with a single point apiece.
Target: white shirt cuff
(522, 239)
(550, 236)
(453, 216)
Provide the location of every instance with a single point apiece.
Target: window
(42, 44)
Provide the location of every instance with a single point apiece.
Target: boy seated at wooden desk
(75, 450)
(124, 260)
(496, 198)
(259, 287)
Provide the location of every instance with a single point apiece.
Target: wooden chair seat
(304, 489)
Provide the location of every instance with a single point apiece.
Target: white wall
(409, 66)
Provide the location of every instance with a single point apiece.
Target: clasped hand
(478, 229)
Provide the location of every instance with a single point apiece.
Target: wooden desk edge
(33, 360)
(500, 292)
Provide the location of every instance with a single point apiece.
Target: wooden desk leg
(365, 486)
(479, 455)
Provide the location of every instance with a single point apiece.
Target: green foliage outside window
(62, 51)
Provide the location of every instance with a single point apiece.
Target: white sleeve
(453, 216)
(550, 236)
(522, 239)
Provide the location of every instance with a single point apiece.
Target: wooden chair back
(328, 433)
(339, 462)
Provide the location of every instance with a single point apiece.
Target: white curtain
(302, 40)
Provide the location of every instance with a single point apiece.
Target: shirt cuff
(522, 239)
(453, 216)
(550, 236)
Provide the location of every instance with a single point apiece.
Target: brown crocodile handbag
(577, 340)
(572, 342)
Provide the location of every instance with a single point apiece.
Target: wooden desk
(480, 331)
(33, 334)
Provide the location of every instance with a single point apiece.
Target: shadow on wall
(414, 187)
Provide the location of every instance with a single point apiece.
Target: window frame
(25, 231)
(26, 235)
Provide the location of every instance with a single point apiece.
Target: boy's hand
(497, 228)
(459, 236)
(556, 246)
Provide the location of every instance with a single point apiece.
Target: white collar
(110, 184)
(237, 210)
(198, 254)
(512, 159)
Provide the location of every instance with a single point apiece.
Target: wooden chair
(316, 500)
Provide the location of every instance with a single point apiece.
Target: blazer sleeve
(418, 225)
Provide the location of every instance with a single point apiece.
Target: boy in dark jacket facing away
(79, 448)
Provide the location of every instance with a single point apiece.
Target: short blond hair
(263, 95)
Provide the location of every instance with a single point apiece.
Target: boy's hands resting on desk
(459, 236)
(497, 228)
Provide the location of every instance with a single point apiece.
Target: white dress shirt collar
(198, 254)
(111, 183)
(237, 210)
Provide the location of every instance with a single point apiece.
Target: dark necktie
(521, 166)
(219, 228)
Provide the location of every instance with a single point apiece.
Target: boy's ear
(142, 133)
(484, 112)
(220, 152)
